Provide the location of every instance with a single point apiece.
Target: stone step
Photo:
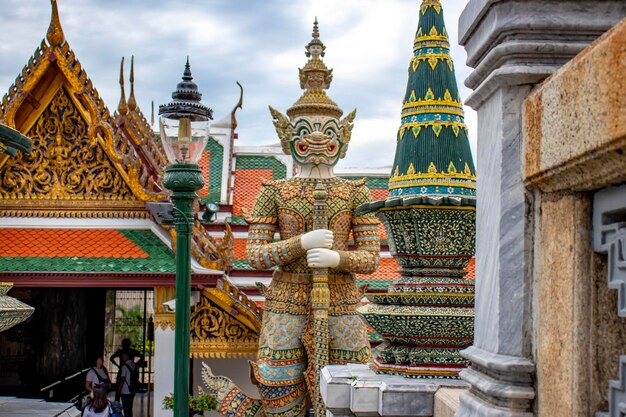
(447, 401)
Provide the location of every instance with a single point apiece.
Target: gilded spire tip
(122, 107)
(55, 34)
(132, 103)
(316, 29)
(316, 47)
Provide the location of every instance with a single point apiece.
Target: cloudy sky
(258, 43)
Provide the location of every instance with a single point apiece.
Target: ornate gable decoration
(224, 324)
(131, 123)
(79, 165)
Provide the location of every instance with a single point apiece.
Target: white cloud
(260, 44)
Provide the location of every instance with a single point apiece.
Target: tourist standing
(98, 376)
(132, 353)
(126, 388)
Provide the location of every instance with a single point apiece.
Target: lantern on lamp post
(184, 127)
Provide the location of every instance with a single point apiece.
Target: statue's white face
(317, 140)
(315, 50)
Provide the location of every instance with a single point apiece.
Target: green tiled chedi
(433, 154)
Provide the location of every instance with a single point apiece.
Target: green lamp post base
(184, 180)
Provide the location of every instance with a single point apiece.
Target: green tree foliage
(130, 324)
(197, 405)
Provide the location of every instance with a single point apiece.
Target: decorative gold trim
(423, 206)
(229, 298)
(223, 350)
(165, 320)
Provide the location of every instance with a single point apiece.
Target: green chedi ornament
(426, 316)
(433, 154)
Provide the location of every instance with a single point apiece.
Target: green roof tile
(160, 259)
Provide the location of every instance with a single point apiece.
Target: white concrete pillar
(163, 369)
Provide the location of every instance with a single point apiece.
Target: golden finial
(122, 108)
(319, 48)
(132, 103)
(55, 32)
(316, 29)
(315, 77)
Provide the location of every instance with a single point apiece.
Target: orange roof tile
(64, 243)
(247, 186)
(205, 163)
(239, 248)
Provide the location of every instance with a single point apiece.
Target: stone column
(163, 363)
(163, 368)
(513, 45)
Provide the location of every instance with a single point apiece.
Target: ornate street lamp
(184, 126)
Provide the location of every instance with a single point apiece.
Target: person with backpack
(129, 383)
(99, 405)
(132, 353)
(98, 375)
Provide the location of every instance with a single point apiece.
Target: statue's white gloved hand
(320, 238)
(322, 258)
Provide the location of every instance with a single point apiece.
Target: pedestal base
(501, 385)
(356, 390)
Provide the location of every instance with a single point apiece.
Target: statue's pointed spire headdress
(315, 78)
(315, 41)
(55, 34)
(433, 154)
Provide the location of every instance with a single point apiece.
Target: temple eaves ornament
(11, 141)
(84, 162)
(224, 323)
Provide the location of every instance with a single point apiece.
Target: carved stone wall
(574, 142)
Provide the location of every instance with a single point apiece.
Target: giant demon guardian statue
(310, 317)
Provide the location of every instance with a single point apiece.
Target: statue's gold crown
(315, 77)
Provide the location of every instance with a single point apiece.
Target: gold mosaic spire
(55, 32)
(122, 107)
(315, 77)
(132, 103)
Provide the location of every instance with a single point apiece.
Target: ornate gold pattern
(217, 333)
(54, 70)
(64, 163)
(165, 320)
(224, 324)
(209, 252)
(290, 202)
